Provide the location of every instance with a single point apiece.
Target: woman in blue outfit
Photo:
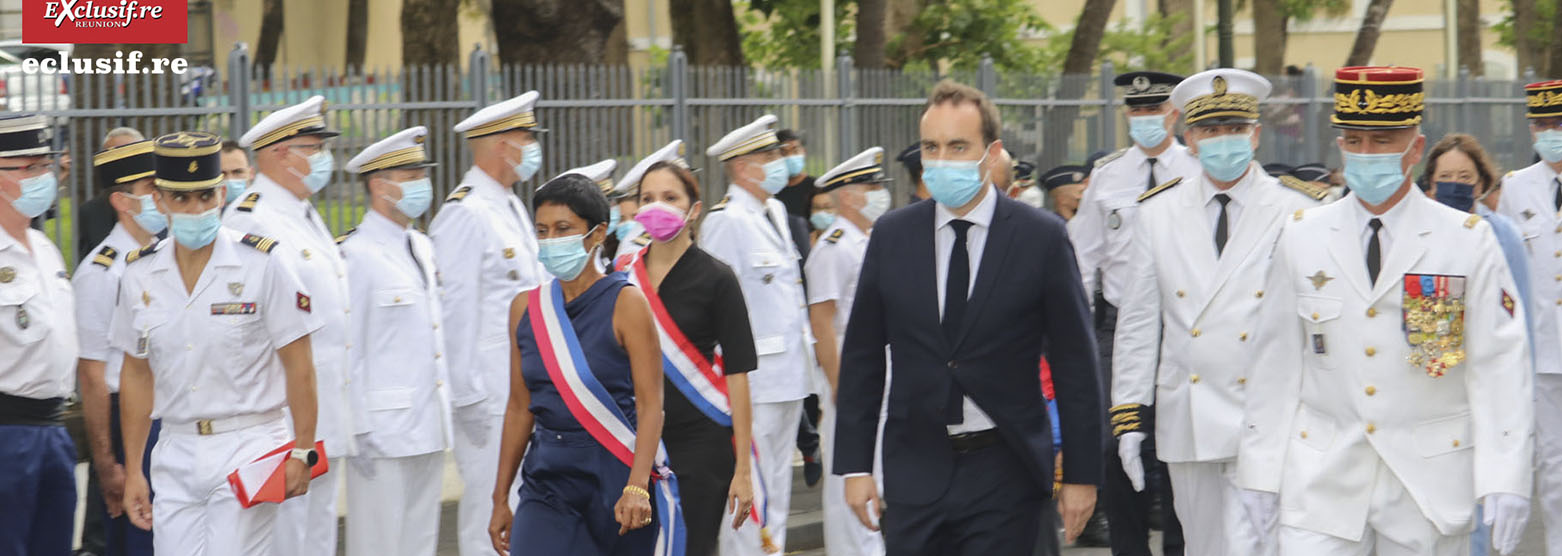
(576, 496)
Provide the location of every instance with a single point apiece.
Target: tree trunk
(1469, 31)
(1523, 25)
(1183, 11)
(555, 31)
(357, 32)
(1078, 71)
(1269, 21)
(427, 32)
(708, 32)
(898, 19)
(270, 34)
(869, 52)
(1555, 65)
(1088, 31)
(1367, 36)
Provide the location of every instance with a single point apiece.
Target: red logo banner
(105, 21)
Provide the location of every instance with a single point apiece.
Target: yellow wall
(315, 31)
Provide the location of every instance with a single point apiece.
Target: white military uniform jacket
(400, 373)
(832, 269)
(269, 210)
(487, 254)
(1333, 392)
(96, 283)
(37, 320)
(1102, 228)
(765, 260)
(1529, 199)
(1185, 330)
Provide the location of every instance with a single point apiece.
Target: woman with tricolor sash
(585, 405)
(698, 305)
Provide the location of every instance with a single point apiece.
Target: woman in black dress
(701, 297)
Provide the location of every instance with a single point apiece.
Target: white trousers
(1209, 504)
(195, 512)
(393, 505)
(844, 534)
(306, 525)
(1395, 527)
(478, 461)
(775, 438)
(1548, 458)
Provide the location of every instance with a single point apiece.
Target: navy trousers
(992, 507)
(37, 490)
(570, 485)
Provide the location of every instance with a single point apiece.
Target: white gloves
(1263, 509)
(1133, 465)
(1506, 514)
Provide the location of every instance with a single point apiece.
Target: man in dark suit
(965, 289)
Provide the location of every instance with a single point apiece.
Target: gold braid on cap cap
(524, 120)
(289, 130)
(398, 157)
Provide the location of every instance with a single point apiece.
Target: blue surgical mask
(794, 164)
(531, 161)
(821, 220)
(1225, 158)
(195, 231)
(149, 218)
(1457, 195)
(953, 183)
(1374, 178)
(775, 176)
(628, 229)
(564, 257)
(320, 166)
(875, 204)
(614, 215)
(1548, 144)
(235, 189)
(415, 197)
(38, 193)
(1147, 131)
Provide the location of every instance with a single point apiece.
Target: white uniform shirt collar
(1393, 219)
(1239, 192)
(286, 202)
(981, 215)
(223, 253)
(1163, 159)
(483, 184)
(741, 198)
(120, 239)
(377, 227)
(851, 229)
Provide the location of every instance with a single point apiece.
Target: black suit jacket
(1027, 293)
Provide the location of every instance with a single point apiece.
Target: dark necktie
(1374, 251)
(422, 276)
(1557, 200)
(771, 219)
(1220, 224)
(956, 289)
(1151, 184)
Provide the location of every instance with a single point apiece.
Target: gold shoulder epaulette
(642, 240)
(248, 204)
(1108, 158)
(105, 257)
(720, 204)
(1312, 190)
(1472, 220)
(343, 237)
(459, 193)
(836, 235)
(136, 255)
(260, 243)
(1159, 188)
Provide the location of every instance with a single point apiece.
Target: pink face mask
(661, 220)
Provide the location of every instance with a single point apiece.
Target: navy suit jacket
(1027, 293)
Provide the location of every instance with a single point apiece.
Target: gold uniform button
(1180, 293)
(439, 383)
(1194, 379)
(1372, 390)
(438, 355)
(1304, 434)
(1315, 316)
(1557, 254)
(396, 299)
(1371, 428)
(1371, 352)
(1242, 336)
(1372, 312)
(1242, 380)
(1559, 277)
(436, 326)
(1259, 294)
(1196, 331)
(1456, 443)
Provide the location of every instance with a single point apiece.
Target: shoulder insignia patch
(1472, 220)
(836, 235)
(1159, 188)
(248, 204)
(1311, 190)
(1108, 158)
(136, 255)
(105, 257)
(642, 240)
(343, 237)
(262, 244)
(459, 194)
(722, 204)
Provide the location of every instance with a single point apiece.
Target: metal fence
(598, 112)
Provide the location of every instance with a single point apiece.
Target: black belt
(973, 441)
(17, 410)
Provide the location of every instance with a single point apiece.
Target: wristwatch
(306, 455)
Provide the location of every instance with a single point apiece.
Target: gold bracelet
(632, 489)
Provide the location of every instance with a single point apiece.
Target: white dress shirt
(37, 329)
(1390, 219)
(981, 219)
(1239, 193)
(97, 285)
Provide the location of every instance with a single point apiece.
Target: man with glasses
(1532, 198)
(294, 160)
(38, 340)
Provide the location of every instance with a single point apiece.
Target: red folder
(265, 479)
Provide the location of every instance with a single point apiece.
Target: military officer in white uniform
(487, 250)
(124, 174)
(1391, 389)
(832, 268)
(294, 162)
(398, 378)
(1532, 197)
(1184, 332)
(748, 231)
(38, 340)
(216, 329)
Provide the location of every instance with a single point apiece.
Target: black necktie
(1151, 184)
(1374, 251)
(1557, 201)
(956, 289)
(423, 277)
(770, 217)
(1220, 224)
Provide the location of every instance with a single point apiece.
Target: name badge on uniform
(22, 320)
(233, 308)
(1114, 221)
(141, 344)
(1434, 321)
(1318, 346)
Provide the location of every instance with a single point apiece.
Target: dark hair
(691, 186)
(578, 193)
(1485, 169)
(230, 146)
(791, 135)
(950, 92)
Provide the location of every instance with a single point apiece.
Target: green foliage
(961, 32)
(1541, 34)
(785, 33)
(1305, 10)
(1150, 47)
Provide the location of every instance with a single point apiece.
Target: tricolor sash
(699, 379)
(591, 404)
